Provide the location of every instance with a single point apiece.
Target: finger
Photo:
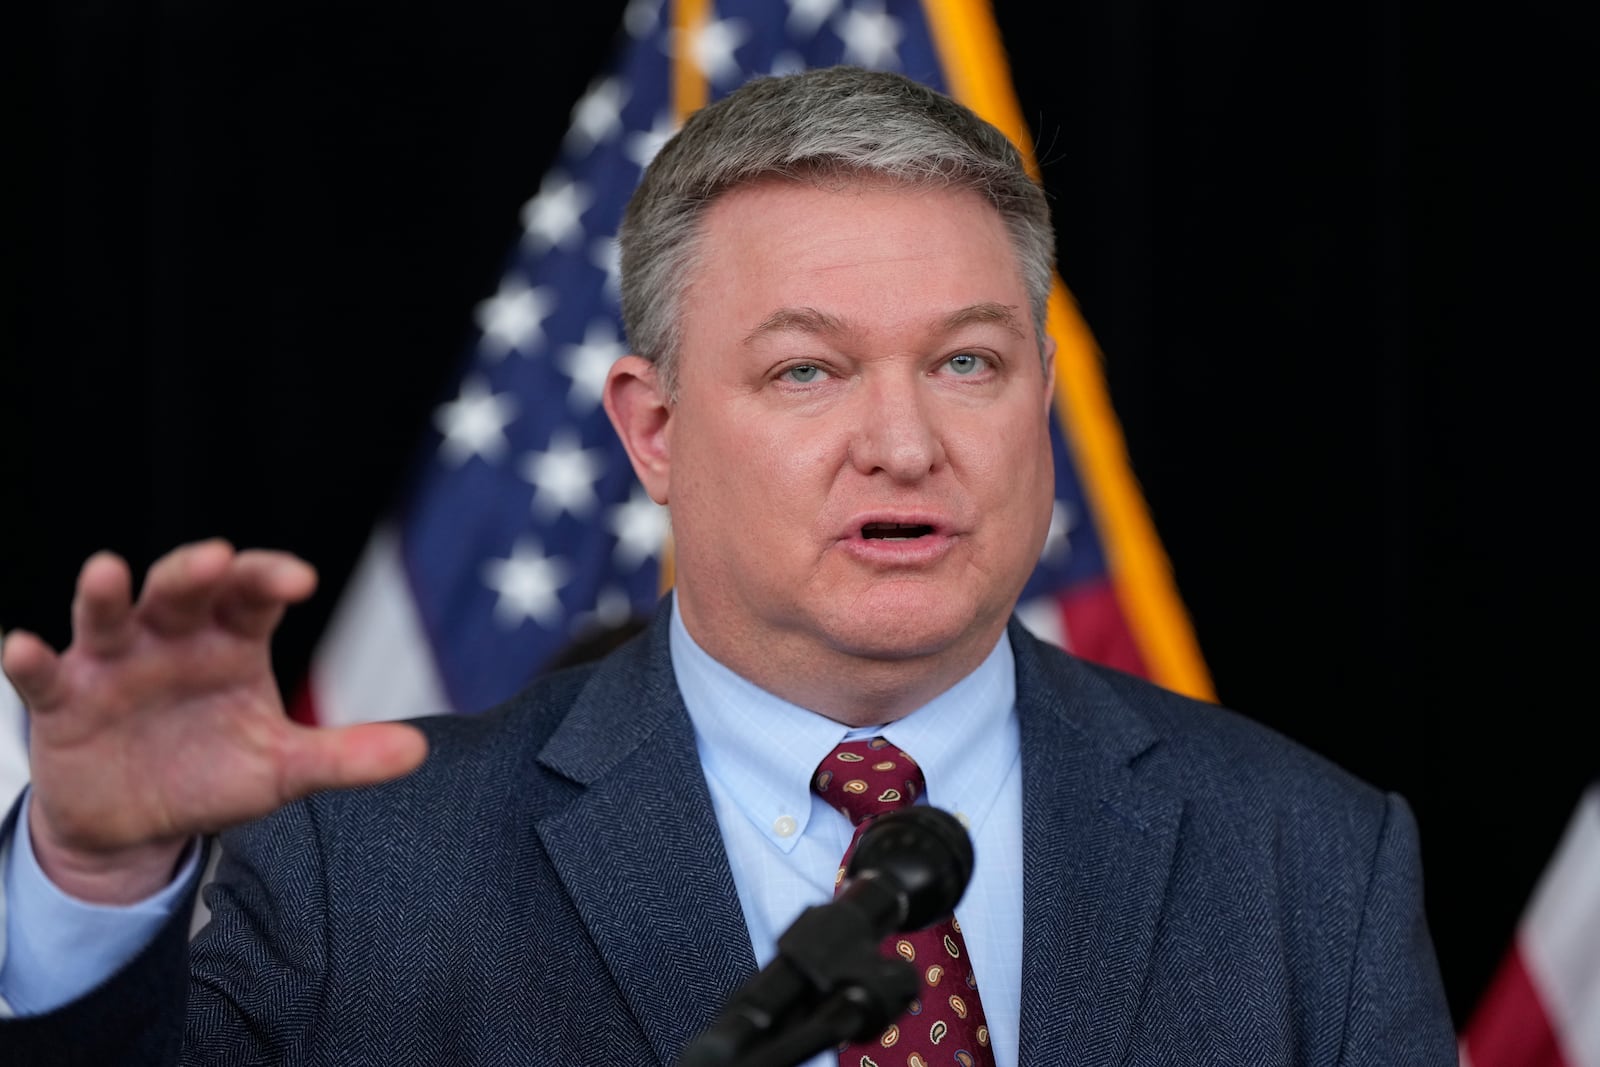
(34, 669)
(182, 587)
(258, 587)
(102, 607)
(350, 756)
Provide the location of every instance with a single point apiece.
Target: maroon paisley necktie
(945, 1024)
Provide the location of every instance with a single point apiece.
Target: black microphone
(920, 854)
(909, 870)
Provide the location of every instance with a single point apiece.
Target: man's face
(858, 459)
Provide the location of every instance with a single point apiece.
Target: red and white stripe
(374, 660)
(1087, 621)
(1543, 1008)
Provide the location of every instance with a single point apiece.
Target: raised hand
(162, 720)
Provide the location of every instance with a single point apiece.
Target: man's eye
(804, 374)
(965, 364)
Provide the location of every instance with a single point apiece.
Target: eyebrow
(798, 320)
(811, 320)
(987, 313)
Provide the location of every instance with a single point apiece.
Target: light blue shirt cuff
(57, 948)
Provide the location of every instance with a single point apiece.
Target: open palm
(162, 719)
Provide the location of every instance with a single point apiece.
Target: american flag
(525, 527)
(1543, 1007)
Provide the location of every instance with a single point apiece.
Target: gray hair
(834, 124)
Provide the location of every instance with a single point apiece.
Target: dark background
(1335, 255)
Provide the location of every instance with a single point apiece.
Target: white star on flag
(563, 476)
(807, 16)
(474, 423)
(552, 218)
(641, 529)
(643, 145)
(1056, 544)
(527, 584)
(598, 116)
(514, 318)
(612, 607)
(711, 47)
(871, 37)
(589, 363)
(641, 17)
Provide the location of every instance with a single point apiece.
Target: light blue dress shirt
(784, 843)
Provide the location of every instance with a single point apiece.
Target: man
(835, 286)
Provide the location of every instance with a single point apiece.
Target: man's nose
(897, 430)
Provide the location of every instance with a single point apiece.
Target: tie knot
(867, 778)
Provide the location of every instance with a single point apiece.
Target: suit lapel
(1098, 842)
(639, 850)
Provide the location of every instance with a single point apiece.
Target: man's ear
(640, 413)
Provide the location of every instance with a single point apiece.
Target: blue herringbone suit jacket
(551, 887)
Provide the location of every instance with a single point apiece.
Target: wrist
(112, 877)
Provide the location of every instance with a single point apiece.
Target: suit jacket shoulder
(1200, 889)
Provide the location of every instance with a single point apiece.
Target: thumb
(350, 756)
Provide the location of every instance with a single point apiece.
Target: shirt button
(785, 826)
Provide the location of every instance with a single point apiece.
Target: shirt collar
(763, 749)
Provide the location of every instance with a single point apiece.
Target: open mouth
(895, 531)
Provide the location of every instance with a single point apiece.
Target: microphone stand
(871, 996)
(829, 983)
(856, 1012)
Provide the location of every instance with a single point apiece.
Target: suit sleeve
(1397, 1012)
(135, 1017)
(245, 991)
